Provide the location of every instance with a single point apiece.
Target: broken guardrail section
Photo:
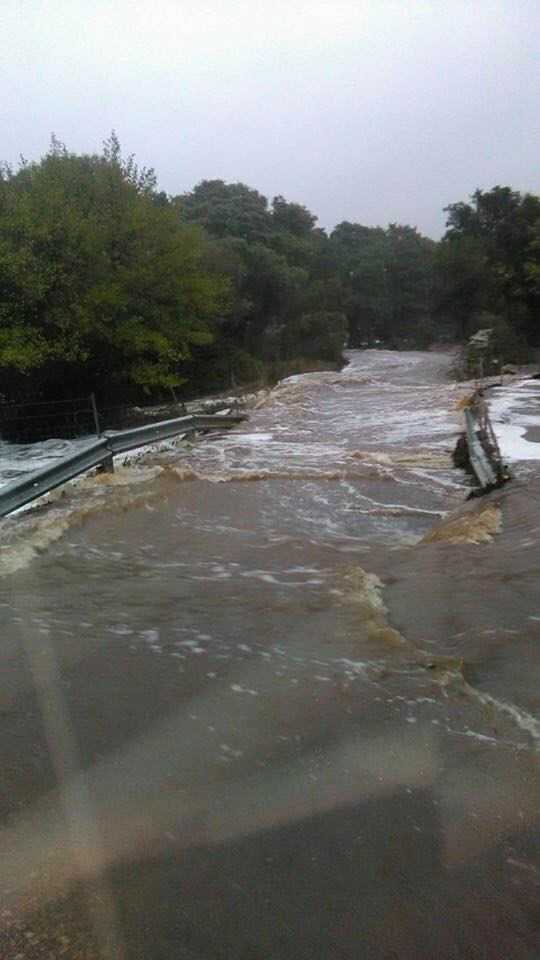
(101, 452)
(484, 453)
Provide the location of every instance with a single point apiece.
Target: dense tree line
(488, 269)
(109, 285)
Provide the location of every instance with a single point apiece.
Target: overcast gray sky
(365, 110)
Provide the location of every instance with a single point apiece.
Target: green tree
(292, 217)
(409, 272)
(462, 284)
(226, 209)
(505, 223)
(276, 261)
(361, 257)
(387, 280)
(99, 284)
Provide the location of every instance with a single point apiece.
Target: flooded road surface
(249, 711)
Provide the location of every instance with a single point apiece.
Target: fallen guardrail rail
(101, 452)
(483, 470)
(484, 453)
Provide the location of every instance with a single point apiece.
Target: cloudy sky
(366, 110)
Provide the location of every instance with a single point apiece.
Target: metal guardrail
(36, 484)
(126, 440)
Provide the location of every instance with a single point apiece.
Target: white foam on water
(19, 459)
(395, 509)
(524, 720)
(513, 409)
(237, 688)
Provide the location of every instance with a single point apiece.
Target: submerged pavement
(275, 695)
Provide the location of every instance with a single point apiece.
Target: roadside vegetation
(108, 285)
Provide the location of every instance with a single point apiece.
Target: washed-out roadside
(476, 571)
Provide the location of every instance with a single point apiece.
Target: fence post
(95, 413)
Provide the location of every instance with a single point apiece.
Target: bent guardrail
(22, 491)
(484, 453)
(484, 472)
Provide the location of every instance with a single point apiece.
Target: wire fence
(35, 421)
(40, 420)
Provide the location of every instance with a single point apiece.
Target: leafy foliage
(491, 259)
(99, 285)
(386, 281)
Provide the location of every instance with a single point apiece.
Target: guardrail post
(106, 465)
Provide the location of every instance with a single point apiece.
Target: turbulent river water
(238, 721)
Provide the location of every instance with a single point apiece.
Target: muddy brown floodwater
(260, 699)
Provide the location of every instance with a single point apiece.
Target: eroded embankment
(477, 525)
